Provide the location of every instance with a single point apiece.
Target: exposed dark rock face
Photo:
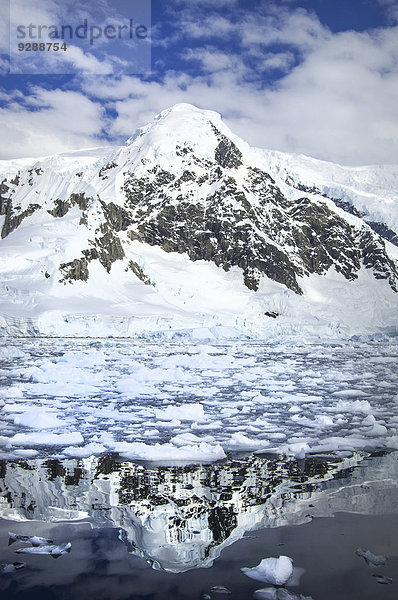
(61, 208)
(138, 271)
(222, 521)
(106, 248)
(103, 171)
(75, 270)
(117, 217)
(380, 228)
(385, 232)
(80, 200)
(5, 201)
(323, 239)
(15, 216)
(373, 254)
(219, 209)
(227, 155)
(12, 220)
(249, 226)
(109, 249)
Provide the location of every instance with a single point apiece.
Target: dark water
(174, 533)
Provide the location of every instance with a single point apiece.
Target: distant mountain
(187, 227)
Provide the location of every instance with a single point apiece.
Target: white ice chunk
(10, 568)
(382, 579)
(92, 449)
(35, 541)
(38, 418)
(240, 441)
(375, 560)
(168, 452)
(184, 439)
(377, 429)
(272, 593)
(220, 589)
(353, 393)
(46, 439)
(51, 550)
(10, 352)
(369, 420)
(272, 570)
(358, 406)
(185, 412)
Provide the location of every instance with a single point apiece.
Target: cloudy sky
(318, 77)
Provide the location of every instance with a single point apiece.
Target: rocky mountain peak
(186, 185)
(181, 130)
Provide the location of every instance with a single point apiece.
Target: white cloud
(60, 121)
(94, 52)
(207, 3)
(4, 66)
(86, 62)
(270, 24)
(282, 61)
(297, 28)
(339, 104)
(213, 60)
(211, 26)
(336, 99)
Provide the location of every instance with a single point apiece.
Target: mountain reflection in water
(181, 517)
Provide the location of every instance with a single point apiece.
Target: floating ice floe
(51, 550)
(374, 560)
(220, 589)
(272, 593)
(12, 567)
(382, 579)
(46, 439)
(33, 540)
(173, 402)
(276, 571)
(185, 412)
(39, 419)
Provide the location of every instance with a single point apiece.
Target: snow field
(177, 401)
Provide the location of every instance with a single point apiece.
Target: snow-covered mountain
(188, 227)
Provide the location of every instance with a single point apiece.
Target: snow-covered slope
(187, 227)
(368, 191)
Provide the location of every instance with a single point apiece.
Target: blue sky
(318, 77)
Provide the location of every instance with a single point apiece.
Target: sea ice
(51, 550)
(92, 449)
(375, 560)
(382, 579)
(33, 540)
(185, 412)
(39, 419)
(239, 441)
(12, 567)
(62, 397)
(46, 439)
(276, 571)
(272, 593)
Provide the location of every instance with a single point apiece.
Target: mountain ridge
(188, 186)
